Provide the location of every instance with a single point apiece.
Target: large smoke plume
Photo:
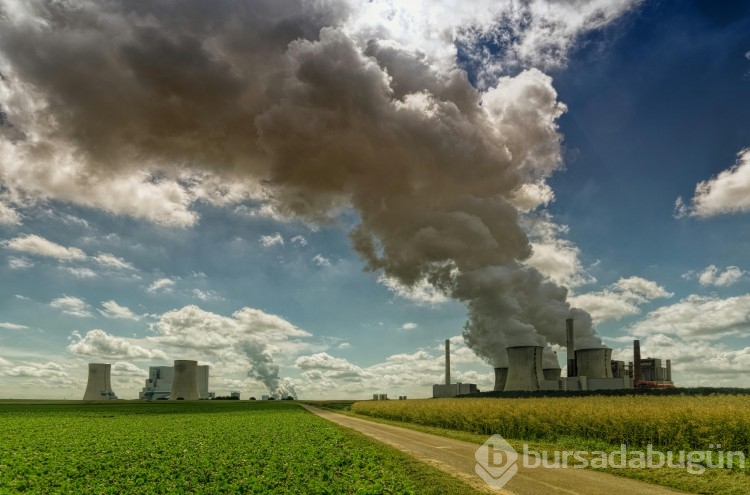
(264, 369)
(318, 112)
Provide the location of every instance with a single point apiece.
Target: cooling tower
(99, 386)
(552, 373)
(501, 375)
(185, 381)
(524, 368)
(594, 363)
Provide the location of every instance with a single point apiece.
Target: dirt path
(457, 458)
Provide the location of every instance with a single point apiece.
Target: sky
(310, 197)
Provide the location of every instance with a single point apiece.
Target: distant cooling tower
(552, 373)
(524, 368)
(501, 375)
(99, 386)
(594, 363)
(185, 381)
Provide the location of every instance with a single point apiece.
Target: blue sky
(192, 194)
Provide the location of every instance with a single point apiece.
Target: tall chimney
(669, 370)
(447, 361)
(637, 370)
(571, 347)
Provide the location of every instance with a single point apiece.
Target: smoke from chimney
(286, 98)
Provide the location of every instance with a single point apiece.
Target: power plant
(99, 386)
(177, 381)
(589, 369)
(451, 389)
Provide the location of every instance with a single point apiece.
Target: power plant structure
(451, 389)
(588, 369)
(161, 382)
(99, 386)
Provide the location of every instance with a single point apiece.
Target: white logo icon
(496, 462)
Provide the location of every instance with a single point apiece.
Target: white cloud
(409, 326)
(538, 33)
(13, 326)
(163, 285)
(321, 260)
(728, 192)
(323, 366)
(620, 299)
(113, 261)
(72, 306)
(123, 368)
(554, 256)
(529, 197)
(81, 272)
(34, 244)
(712, 275)
(701, 317)
(114, 310)
(272, 240)
(421, 293)
(192, 327)
(16, 263)
(299, 240)
(36, 370)
(99, 343)
(8, 216)
(206, 295)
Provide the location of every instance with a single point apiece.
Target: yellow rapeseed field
(677, 422)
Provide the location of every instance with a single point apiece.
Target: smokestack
(447, 361)
(185, 381)
(669, 370)
(637, 370)
(524, 368)
(571, 347)
(99, 386)
(501, 376)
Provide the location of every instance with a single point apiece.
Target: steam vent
(99, 386)
(185, 381)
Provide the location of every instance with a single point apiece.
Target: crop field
(673, 422)
(201, 447)
(591, 424)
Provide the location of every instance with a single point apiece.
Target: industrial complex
(588, 370)
(176, 381)
(183, 381)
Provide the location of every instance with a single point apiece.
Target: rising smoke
(326, 114)
(264, 369)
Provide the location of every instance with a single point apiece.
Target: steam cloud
(324, 113)
(263, 368)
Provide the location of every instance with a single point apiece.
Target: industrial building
(451, 389)
(588, 369)
(159, 383)
(99, 386)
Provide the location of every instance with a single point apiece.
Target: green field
(201, 447)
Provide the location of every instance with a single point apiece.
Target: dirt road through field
(457, 458)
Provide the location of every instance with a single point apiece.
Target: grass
(199, 447)
(549, 425)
